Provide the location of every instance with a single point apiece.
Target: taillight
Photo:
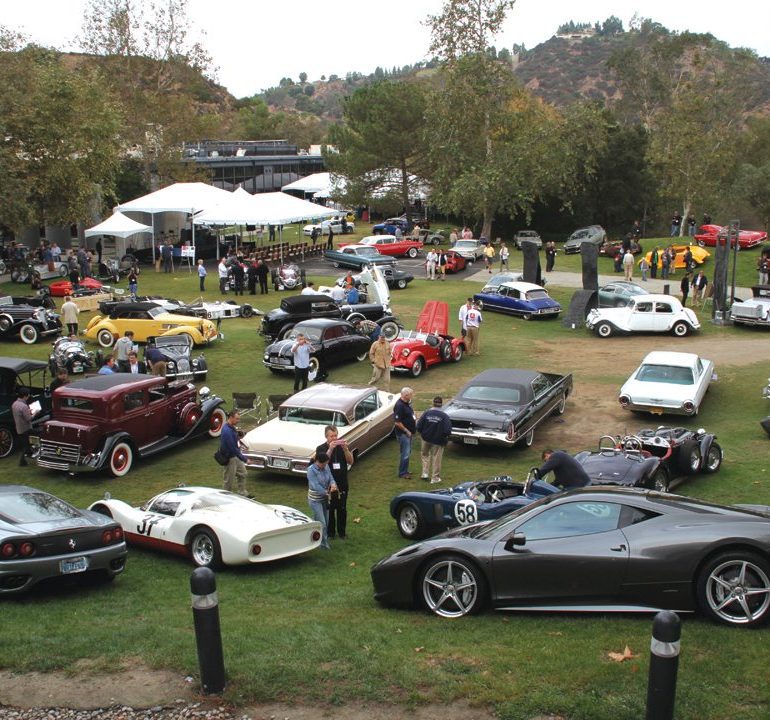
(117, 534)
(624, 400)
(26, 549)
(107, 537)
(689, 407)
(511, 431)
(256, 549)
(315, 536)
(8, 550)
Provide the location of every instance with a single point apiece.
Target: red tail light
(8, 550)
(117, 534)
(511, 431)
(107, 537)
(26, 549)
(315, 536)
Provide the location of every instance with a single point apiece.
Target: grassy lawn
(308, 629)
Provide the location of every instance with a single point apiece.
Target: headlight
(405, 352)
(267, 357)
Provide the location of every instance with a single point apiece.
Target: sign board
(188, 251)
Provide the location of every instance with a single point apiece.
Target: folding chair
(272, 402)
(247, 404)
(708, 296)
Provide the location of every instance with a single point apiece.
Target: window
(74, 403)
(132, 401)
(367, 406)
(539, 386)
(572, 520)
(663, 308)
(511, 394)
(333, 332)
(644, 307)
(157, 394)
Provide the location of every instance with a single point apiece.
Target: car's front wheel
(410, 521)
(680, 329)
(452, 586)
(7, 442)
(734, 588)
(417, 367)
(217, 421)
(457, 355)
(29, 334)
(526, 316)
(204, 548)
(105, 338)
(713, 460)
(121, 459)
(314, 368)
(561, 405)
(604, 330)
(528, 439)
(247, 311)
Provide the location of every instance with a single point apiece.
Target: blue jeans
(320, 510)
(405, 449)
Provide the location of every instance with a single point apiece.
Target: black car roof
(322, 322)
(303, 301)
(21, 365)
(504, 375)
(134, 306)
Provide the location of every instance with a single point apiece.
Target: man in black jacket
(434, 427)
(340, 459)
(568, 473)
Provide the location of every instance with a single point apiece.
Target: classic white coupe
(644, 313)
(362, 415)
(668, 382)
(214, 527)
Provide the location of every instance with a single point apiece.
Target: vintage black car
(16, 373)
(593, 549)
(44, 537)
(180, 364)
(27, 321)
(277, 323)
(333, 341)
(70, 354)
(42, 298)
(503, 406)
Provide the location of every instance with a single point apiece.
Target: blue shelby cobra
(519, 298)
(420, 514)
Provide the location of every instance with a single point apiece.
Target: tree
(59, 142)
(303, 77)
(380, 143)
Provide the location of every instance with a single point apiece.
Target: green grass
(307, 629)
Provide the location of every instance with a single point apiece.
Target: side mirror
(516, 540)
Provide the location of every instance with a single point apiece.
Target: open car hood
(376, 286)
(434, 318)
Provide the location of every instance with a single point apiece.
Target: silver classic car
(363, 417)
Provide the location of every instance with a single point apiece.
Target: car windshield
(312, 416)
(462, 244)
(537, 295)
(154, 312)
(411, 335)
(310, 332)
(510, 394)
(27, 507)
(671, 374)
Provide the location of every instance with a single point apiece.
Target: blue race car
(518, 298)
(422, 513)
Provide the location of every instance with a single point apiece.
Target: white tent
(118, 225)
(274, 208)
(188, 198)
(317, 182)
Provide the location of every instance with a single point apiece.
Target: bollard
(664, 663)
(208, 637)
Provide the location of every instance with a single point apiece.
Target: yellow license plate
(656, 410)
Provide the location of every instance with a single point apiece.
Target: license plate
(77, 368)
(283, 361)
(279, 463)
(471, 440)
(656, 410)
(73, 565)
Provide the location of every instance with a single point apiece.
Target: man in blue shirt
(406, 425)
(109, 366)
(301, 351)
(320, 485)
(229, 445)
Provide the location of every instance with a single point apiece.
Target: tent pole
(152, 240)
(192, 223)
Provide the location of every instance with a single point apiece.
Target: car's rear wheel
(702, 243)
(458, 354)
(355, 317)
(5, 323)
(390, 330)
(7, 442)
(452, 586)
(417, 367)
(401, 283)
(734, 588)
(559, 409)
(121, 459)
(528, 439)
(689, 457)
(713, 460)
(362, 356)
(247, 311)
(680, 329)
(660, 480)
(412, 253)
(204, 548)
(217, 421)
(604, 330)
(105, 339)
(411, 523)
(29, 334)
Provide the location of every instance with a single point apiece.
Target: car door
(543, 399)
(641, 317)
(574, 552)
(497, 300)
(155, 526)
(663, 317)
(333, 347)
(137, 418)
(365, 431)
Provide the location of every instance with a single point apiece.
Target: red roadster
(61, 288)
(429, 344)
(746, 238)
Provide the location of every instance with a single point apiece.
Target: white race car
(668, 382)
(214, 527)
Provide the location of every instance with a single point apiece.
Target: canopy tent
(188, 198)
(319, 185)
(118, 225)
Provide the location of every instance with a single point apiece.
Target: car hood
(283, 348)
(610, 468)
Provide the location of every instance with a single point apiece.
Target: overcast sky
(255, 43)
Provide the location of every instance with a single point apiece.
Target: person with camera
(320, 486)
(340, 460)
(301, 352)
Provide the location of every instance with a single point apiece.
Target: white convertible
(668, 382)
(363, 417)
(644, 313)
(214, 527)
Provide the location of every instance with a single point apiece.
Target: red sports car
(429, 344)
(391, 245)
(60, 288)
(746, 238)
(455, 262)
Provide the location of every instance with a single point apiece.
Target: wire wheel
(735, 588)
(7, 441)
(713, 460)
(28, 334)
(452, 587)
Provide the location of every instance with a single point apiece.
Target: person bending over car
(568, 473)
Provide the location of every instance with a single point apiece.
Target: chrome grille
(59, 452)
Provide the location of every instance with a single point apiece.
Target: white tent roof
(118, 225)
(274, 208)
(179, 197)
(312, 183)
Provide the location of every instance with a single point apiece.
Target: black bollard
(208, 637)
(664, 663)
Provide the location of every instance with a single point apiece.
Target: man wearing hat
(434, 427)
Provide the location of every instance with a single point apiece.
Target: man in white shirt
(309, 289)
(503, 256)
(70, 312)
(430, 264)
(462, 315)
(338, 294)
(473, 321)
(123, 346)
(223, 271)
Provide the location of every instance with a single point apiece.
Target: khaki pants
(381, 375)
(472, 338)
(235, 470)
(430, 453)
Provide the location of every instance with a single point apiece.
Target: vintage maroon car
(746, 238)
(101, 422)
(414, 350)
